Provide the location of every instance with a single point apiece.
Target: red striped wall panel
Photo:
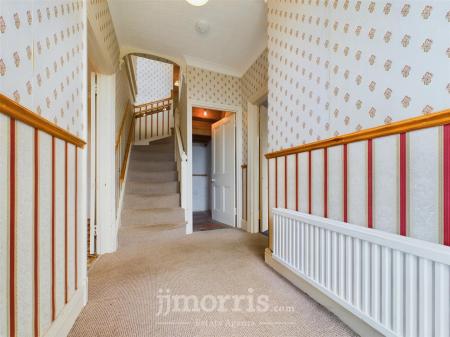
(397, 183)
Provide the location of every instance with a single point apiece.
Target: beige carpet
(123, 288)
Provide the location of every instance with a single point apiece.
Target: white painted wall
(201, 155)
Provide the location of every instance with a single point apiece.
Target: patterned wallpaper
(101, 21)
(123, 95)
(340, 66)
(212, 87)
(256, 77)
(154, 80)
(41, 58)
(254, 80)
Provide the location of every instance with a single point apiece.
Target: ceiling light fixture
(197, 2)
(205, 113)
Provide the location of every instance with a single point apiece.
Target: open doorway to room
(213, 170)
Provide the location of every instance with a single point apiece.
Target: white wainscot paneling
(59, 224)
(303, 173)
(24, 228)
(386, 183)
(317, 182)
(45, 230)
(424, 148)
(280, 182)
(336, 183)
(271, 179)
(71, 219)
(4, 222)
(357, 183)
(291, 181)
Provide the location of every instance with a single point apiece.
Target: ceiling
(236, 37)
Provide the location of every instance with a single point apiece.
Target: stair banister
(181, 159)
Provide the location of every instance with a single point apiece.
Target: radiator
(398, 285)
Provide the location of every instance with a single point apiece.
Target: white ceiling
(237, 33)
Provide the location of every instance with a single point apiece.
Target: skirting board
(355, 323)
(67, 317)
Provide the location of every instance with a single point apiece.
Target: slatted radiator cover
(398, 285)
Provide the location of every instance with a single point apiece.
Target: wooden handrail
(181, 152)
(127, 151)
(122, 123)
(152, 111)
(407, 125)
(20, 113)
(154, 102)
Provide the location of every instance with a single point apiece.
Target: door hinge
(235, 211)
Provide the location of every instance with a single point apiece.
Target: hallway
(123, 287)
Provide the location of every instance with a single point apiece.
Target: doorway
(213, 170)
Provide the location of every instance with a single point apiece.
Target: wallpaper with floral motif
(102, 25)
(215, 88)
(254, 81)
(153, 79)
(337, 66)
(42, 52)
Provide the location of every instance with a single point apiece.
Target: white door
(223, 171)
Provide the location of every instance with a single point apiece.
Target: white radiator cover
(398, 285)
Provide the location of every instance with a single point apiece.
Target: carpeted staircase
(151, 194)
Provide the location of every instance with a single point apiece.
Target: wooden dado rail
(41, 162)
(283, 181)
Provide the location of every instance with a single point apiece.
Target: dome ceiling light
(197, 2)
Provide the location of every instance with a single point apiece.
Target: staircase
(152, 190)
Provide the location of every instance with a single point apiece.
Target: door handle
(213, 180)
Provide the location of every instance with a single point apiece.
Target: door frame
(237, 110)
(102, 164)
(253, 161)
